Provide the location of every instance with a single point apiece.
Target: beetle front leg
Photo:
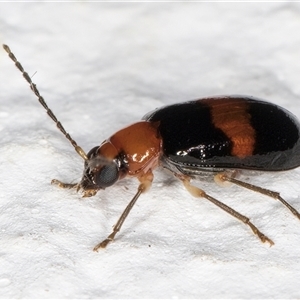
(64, 185)
(85, 192)
(146, 181)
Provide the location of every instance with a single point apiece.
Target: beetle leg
(196, 192)
(146, 181)
(64, 185)
(255, 188)
(85, 191)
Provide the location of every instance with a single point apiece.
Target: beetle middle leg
(255, 188)
(197, 192)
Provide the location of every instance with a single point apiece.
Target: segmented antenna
(33, 87)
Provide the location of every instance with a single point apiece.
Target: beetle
(210, 138)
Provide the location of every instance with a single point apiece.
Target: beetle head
(100, 171)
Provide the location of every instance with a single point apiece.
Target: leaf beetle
(213, 138)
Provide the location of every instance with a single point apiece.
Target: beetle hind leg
(197, 192)
(255, 188)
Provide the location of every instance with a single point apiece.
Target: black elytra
(190, 136)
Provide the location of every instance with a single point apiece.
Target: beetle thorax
(140, 145)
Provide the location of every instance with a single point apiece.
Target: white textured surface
(101, 66)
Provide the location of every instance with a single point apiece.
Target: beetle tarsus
(64, 185)
(261, 236)
(102, 245)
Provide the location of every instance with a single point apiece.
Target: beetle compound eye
(107, 176)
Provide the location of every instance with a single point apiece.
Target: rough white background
(101, 66)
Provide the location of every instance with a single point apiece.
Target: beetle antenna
(33, 87)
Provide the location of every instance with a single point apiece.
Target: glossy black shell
(191, 138)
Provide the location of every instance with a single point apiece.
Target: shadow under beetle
(213, 137)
